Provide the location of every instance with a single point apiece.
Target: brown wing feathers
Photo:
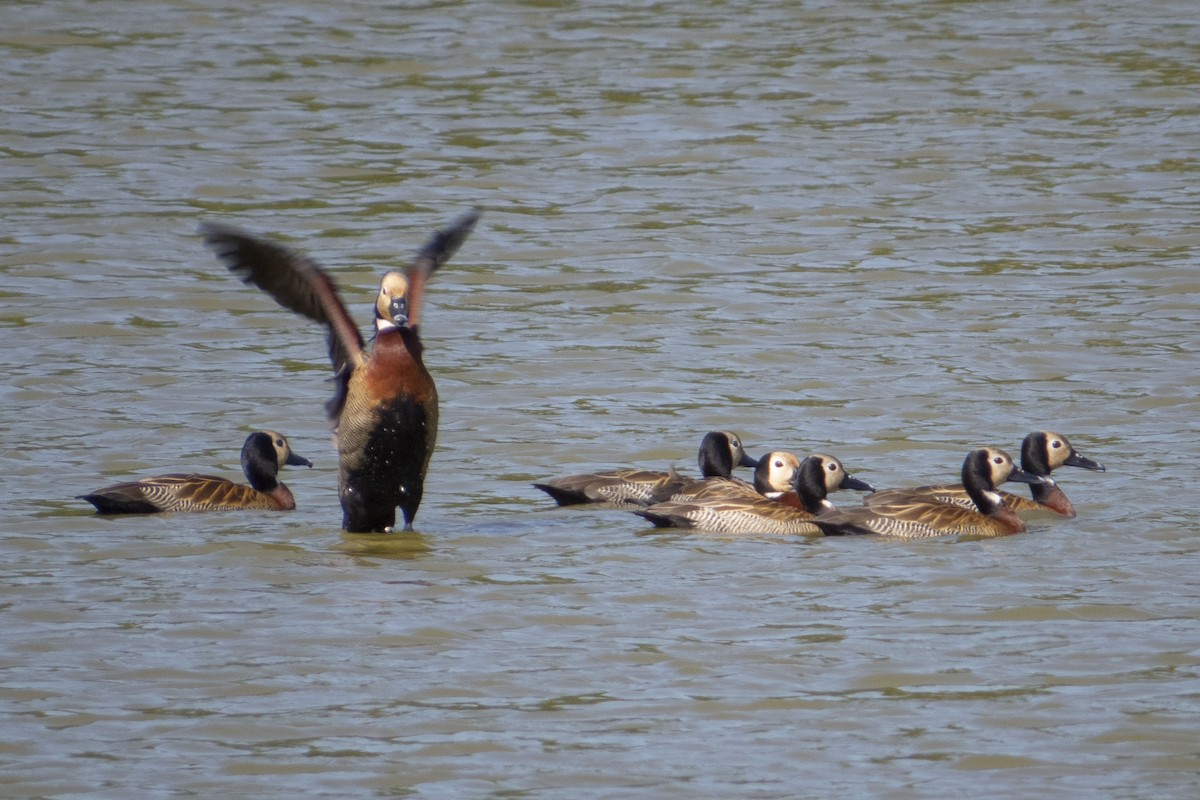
(297, 283)
(437, 251)
(204, 493)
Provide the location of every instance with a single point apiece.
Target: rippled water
(891, 231)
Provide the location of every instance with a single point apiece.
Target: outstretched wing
(437, 251)
(297, 283)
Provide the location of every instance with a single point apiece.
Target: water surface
(890, 231)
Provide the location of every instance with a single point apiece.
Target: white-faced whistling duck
(773, 478)
(263, 455)
(720, 453)
(1041, 453)
(812, 479)
(385, 407)
(982, 471)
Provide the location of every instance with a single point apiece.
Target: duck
(812, 480)
(773, 479)
(385, 406)
(921, 517)
(263, 455)
(1041, 453)
(720, 453)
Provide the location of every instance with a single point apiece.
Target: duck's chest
(395, 372)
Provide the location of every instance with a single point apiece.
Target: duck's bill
(297, 461)
(851, 482)
(1021, 476)
(1077, 460)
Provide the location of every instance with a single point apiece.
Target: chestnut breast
(395, 370)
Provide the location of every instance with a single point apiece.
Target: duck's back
(918, 519)
(748, 515)
(617, 486)
(956, 494)
(180, 492)
(714, 488)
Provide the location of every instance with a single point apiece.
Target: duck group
(790, 495)
(384, 413)
(384, 409)
(385, 406)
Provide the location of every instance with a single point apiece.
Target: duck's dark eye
(833, 467)
(998, 460)
(279, 442)
(1056, 444)
(779, 463)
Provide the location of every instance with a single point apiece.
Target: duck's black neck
(260, 462)
(976, 478)
(810, 486)
(1033, 455)
(715, 459)
(1034, 460)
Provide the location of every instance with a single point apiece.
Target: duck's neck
(390, 336)
(260, 462)
(715, 460)
(1033, 456)
(812, 492)
(1052, 496)
(262, 476)
(1008, 519)
(1042, 491)
(762, 479)
(1033, 460)
(283, 497)
(982, 493)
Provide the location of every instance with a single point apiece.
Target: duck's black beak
(398, 308)
(851, 482)
(1077, 460)
(297, 461)
(748, 461)
(1021, 476)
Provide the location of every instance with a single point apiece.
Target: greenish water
(890, 231)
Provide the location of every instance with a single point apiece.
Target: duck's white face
(282, 448)
(1058, 449)
(391, 307)
(283, 451)
(1000, 466)
(735, 446)
(834, 472)
(781, 470)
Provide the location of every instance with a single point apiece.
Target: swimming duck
(982, 471)
(720, 453)
(774, 475)
(1041, 453)
(263, 455)
(385, 407)
(812, 479)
